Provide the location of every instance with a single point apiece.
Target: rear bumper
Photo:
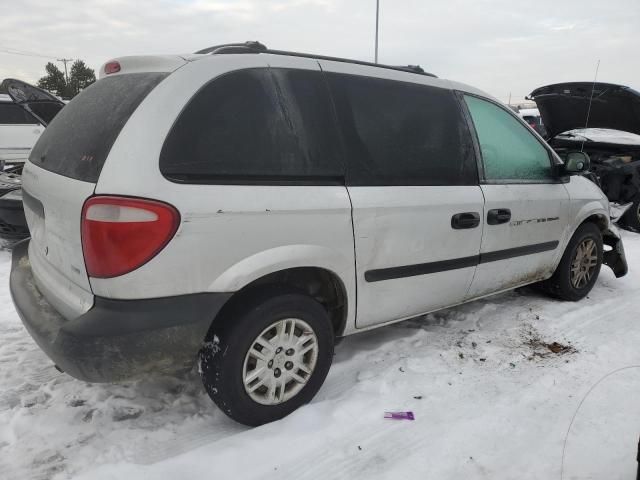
(116, 339)
(615, 258)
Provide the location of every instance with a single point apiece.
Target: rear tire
(267, 355)
(579, 267)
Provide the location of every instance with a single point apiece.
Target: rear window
(78, 140)
(12, 114)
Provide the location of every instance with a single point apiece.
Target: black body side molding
(453, 264)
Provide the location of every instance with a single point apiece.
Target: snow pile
(493, 384)
(604, 135)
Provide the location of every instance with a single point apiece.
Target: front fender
(578, 214)
(615, 257)
(590, 209)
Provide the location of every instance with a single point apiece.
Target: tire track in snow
(204, 434)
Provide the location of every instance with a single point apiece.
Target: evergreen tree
(80, 77)
(54, 80)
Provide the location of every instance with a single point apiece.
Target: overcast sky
(500, 46)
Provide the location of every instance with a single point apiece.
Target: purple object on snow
(399, 415)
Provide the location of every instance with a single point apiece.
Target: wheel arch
(598, 219)
(284, 266)
(591, 212)
(613, 255)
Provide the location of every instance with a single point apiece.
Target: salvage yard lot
(493, 384)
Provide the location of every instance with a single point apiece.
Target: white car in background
(533, 119)
(25, 111)
(19, 131)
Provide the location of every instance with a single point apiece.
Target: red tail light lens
(111, 67)
(121, 234)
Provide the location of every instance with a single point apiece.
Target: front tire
(267, 355)
(580, 265)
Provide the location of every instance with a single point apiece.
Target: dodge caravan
(241, 208)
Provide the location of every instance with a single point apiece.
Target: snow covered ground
(493, 398)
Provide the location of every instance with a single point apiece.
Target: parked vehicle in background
(19, 131)
(603, 120)
(25, 111)
(533, 119)
(245, 207)
(13, 224)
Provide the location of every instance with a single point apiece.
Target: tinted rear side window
(400, 133)
(78, 140)
(259, 126)
(12, 114)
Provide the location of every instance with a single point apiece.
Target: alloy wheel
(584, 263)
(280, 361)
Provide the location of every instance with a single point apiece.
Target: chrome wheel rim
(280, 361)
(584, 263)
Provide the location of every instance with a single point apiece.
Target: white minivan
(243, 207)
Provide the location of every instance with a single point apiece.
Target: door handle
(498, 216)
(465, 220)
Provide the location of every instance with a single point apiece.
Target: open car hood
(565, 106)
(38, 102)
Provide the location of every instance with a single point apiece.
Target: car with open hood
(25, 111)
(602, 120)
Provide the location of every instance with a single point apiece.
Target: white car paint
(55, 251)
(16, 140)
(231, 235)
(539, 214)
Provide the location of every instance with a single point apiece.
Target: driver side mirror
(576, 162)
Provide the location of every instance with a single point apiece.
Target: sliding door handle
(498, 216)
(465, 220)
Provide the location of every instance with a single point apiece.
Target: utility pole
(377, 21)
(65, 60)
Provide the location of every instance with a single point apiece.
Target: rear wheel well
(321, 284)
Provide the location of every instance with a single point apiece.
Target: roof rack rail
(257, 47)
(410, 68)
(246, 47)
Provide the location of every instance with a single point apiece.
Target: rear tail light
(120, 234)
(111, 67)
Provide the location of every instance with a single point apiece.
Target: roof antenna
(593, 88)
(377, 22)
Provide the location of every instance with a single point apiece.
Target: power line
(24, 53)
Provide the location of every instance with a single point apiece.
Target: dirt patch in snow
(544, 349)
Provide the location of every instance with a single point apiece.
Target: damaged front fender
(614, 258)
